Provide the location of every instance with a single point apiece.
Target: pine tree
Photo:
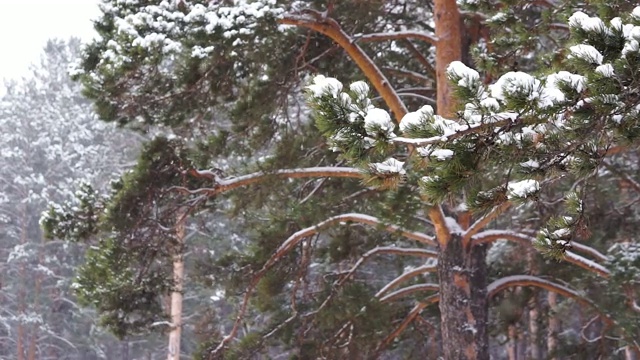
(519, 141)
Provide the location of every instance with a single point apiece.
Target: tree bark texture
(463, 300)
(176, 295)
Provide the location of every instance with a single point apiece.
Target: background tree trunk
(463, 301)
(512, 345)
(554, 326)
(176, 295)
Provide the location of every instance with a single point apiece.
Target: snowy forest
(326, 179)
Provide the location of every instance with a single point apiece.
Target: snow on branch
(231, 183)
(316, 21)
(529, 280)
(397, 35)
(408, 291)
(410, 273)
(526, 240)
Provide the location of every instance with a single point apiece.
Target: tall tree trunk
(449, 33)
(554, 326)
(512, 345)
(176, 294)
(534, 352)
(463, 301)
(22, 292)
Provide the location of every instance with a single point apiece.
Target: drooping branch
(316, 21)
(397, 35)
(421, 59)
(530, 280)
(223, 185)
(406, 276)
(407, 73)
(526, 240)
(293, 240)
(376, 251)
(432, 299)
(408, 291)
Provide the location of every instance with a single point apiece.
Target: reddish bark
(463, 300)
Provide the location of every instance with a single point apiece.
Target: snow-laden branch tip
(488, 236)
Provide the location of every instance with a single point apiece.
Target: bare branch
(408, 73)
(406, 276)
(369, 254)
(421, 59)
(297, 237)
(397, 35)
(485, 220)
(432, 299)
(327, 26)
(529, 280)
(408, 291)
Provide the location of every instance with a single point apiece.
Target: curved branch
(228, 184)
(406, 276)
(379, 250)
(357, 218)
(297, 237)
(397, 35)
(432, 299)
(485, 220)
(493, 235)
(329, 27)
(529, 280)
(408, 291)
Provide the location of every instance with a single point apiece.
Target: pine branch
(327, 26)
(485, 220)
(408, 291)
(432, 299)
(526, 240)
(406, 276)
(529, 280)
(297, 237)
(397, 35)
(421, 59)
(231, 183)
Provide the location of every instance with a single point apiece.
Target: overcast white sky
(26, 25)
